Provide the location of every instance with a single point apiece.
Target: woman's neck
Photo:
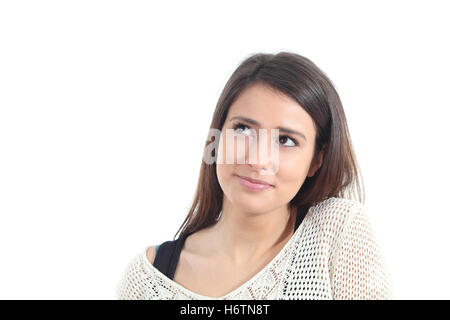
(242, 236)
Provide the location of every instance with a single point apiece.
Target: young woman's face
(270, 109)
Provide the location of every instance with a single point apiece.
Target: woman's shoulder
(137, 278)
(150, 253)
(142, 263)
(334, 208)
(331, 216)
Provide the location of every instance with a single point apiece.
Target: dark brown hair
(300, 79)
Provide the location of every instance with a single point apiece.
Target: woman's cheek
(292, 169)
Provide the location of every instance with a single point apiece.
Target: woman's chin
(251, 203)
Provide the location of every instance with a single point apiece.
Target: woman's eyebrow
(282, 129)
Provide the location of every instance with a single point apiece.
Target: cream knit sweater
(332, 255)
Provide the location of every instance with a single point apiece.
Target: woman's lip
(254, 181)
(246, 182)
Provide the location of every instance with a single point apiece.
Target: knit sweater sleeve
(132, 285)
(358, 269)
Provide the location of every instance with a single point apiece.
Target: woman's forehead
(268, 108)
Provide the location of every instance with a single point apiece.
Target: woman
(284, 223)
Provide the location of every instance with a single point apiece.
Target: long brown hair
(300, 79)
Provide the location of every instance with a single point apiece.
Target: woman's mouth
(252, 184)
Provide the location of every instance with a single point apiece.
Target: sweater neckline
(245, 284)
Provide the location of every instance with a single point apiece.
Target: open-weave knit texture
(332, 255)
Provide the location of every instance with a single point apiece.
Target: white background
(105, 107)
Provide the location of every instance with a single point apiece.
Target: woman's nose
(262, 151)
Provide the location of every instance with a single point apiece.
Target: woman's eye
(239, 127)
(293, 143)
(242, 128)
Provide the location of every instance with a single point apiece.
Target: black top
(168, 253)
